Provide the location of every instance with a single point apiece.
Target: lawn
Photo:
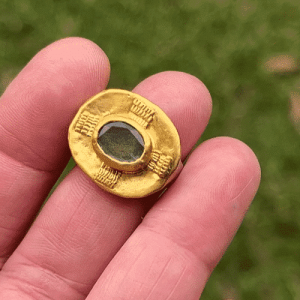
(225, 44)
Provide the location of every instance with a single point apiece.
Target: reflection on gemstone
(121, 141)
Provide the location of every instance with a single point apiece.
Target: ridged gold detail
(141, 113)
(160, 164)
(107, 176)
(148, 174)
(86, 123)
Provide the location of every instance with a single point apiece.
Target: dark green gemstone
(121, 141)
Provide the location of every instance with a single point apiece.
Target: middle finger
(82, 227)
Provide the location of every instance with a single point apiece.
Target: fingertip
(184, 98)
(46, 95)
(229, 167)
(76, 53)
(236, 153)
(181, 84)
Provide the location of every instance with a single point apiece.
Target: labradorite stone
(121, 141)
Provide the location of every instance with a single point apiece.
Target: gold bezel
(135, 166)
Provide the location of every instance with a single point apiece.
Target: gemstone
(121, 141)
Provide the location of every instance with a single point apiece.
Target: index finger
(35, 112)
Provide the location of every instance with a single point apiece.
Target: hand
(86, 243)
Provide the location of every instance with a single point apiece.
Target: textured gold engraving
(160, 164)
(160, 161)
(86, 123)
(141, 113)
(107, 176)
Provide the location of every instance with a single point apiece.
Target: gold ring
(126, 144)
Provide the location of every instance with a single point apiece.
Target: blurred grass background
(225, 44)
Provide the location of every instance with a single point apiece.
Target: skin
(86, 243)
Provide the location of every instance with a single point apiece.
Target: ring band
(126, 144)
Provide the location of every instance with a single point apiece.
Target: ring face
(125, 143)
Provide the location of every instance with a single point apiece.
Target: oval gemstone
(121, 141)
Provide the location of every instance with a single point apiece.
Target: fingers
(82, 227)
(174, 250)
(35, 112)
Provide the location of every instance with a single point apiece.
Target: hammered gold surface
(142, 177)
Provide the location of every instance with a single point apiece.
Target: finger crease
(30, 149)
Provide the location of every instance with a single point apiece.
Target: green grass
(224, 43)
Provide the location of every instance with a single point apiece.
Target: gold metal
(157, 166)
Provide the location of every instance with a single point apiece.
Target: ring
(126, 144)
